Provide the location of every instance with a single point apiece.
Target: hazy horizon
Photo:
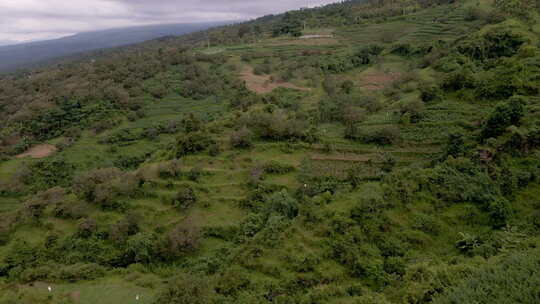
(23, 21)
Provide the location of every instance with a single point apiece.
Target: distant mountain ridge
(27, 54)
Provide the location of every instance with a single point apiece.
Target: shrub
(459, 79)
(455, 145)
(192, 143)
(49, 173)
(126, 227)
(386, 135)
(353, 115)
(429, 93)
(279, 125)
(141, 248)
(242, 138)
(171, 169)
(232, 281)
(505, 115)
(262, 69)
(497, 42)
(402, 49)
(500, 211)
(103, 186)
(412, 111)
(511, 278)
(186, 289)
(282, 203)
(185, 197)
(275, 167)
(474, 13)
(461, 180)
(183, 238)
(367, 54)
(70, 210)
(195, 174)
(509, 77)
(426, 223)
(130, 162)
(86, 228)
(80, 271)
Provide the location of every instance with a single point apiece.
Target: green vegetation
(397, 162)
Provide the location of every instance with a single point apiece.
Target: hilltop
(361, 152)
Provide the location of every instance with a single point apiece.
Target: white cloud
(23, 20)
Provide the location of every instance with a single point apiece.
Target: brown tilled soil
(39, 151)
(263, 84)
(378, 80)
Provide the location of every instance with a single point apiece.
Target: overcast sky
(26, 20)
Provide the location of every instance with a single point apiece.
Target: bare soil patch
(263, 83)
(375, 81)
(39, 151)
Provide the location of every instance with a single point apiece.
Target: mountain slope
(27, 54)
(385, 152)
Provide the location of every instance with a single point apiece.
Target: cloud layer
(26, 20)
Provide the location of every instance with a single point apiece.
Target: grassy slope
(223, 185)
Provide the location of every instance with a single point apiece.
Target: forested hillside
(363, 152)
(34, 54)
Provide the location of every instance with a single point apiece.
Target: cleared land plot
(39, 151)
(263, 83)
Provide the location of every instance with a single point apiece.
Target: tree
(191, 143)
(186, 289)
(242, 138)
(185, 197)
(283, 204)
(183, 238)
(141, 248)
(505, 115)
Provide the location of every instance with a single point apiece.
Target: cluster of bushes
(503, 116)
(513, 278)
(278, 125)
(94, 248)
(67, 114)
(46, 173)
(199, 82)
(288, 25)
(387, 135)
(63, 273)
(460, 180)
(105, 186)
(191, 143)
(367, 54)
(131, 162)
(493, 65)
(497, 42)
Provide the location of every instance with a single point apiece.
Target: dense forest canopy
(362, 152)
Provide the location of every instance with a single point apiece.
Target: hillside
(362, 152)
(30, 54)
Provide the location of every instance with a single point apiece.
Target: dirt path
(39, 151)
(375, 81)
(263, 84)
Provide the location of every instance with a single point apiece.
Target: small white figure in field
(137, 298)
(49, 288)
(305, 185)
